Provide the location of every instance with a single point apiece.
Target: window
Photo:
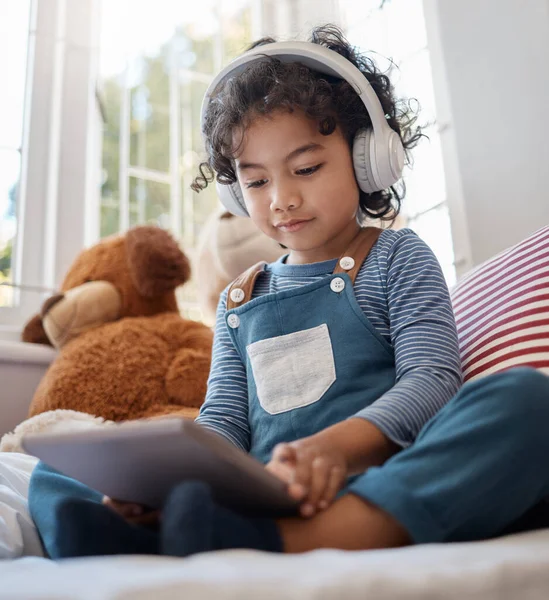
(395, 29)
(100, 128)
(49, 158)
(14, 37)
(153, 76)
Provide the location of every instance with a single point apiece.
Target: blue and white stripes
(401, 290)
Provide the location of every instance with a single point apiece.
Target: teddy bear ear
(33, 332)
(157, 264)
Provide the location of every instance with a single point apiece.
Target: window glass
(14, 34)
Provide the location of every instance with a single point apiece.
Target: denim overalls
(312, 357)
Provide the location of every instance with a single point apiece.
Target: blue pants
(476, 468)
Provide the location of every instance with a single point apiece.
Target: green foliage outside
(7, 251)
(149, 130)
(5, 259)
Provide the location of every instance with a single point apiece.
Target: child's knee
(523, 398)
(520, 383)
(519, 396)
(524, 376)
(528, 385)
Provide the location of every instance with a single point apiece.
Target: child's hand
(314, 473)
(136, 514)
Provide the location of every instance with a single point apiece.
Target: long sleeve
(423, 334)
(225, 409)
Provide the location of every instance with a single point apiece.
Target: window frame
(59, 143)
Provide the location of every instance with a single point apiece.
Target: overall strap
(357, 252)
(242, 287)
(350, 262)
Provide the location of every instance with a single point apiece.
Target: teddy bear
(227, 246)
(124, 350)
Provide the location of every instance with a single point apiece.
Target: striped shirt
(401, 289)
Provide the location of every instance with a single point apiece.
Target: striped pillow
(502, 310)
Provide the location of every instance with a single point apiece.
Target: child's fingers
(282, 465)
(303, 470)
(283, 453)
(125, 509)
(282, 462)
(320, 473)
(281, 470)
(335, 481)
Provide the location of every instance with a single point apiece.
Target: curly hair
(268, 85)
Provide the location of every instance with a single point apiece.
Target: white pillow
(18, 535)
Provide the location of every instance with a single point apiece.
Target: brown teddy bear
(124, 350)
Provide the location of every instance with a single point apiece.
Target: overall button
(237, 295)
(337, 285)
(233, 321)
(347, 263)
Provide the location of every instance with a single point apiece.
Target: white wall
(491, 72)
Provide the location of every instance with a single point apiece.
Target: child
(337, 365)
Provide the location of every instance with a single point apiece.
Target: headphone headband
(317, 58)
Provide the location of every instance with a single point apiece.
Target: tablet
(141, 461)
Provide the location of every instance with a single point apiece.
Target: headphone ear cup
(379, 161)
(363, 155)
(231, 197)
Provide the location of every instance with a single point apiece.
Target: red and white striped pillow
(502, 310)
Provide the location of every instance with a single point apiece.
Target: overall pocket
(293, 370)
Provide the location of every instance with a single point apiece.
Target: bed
(508, 568)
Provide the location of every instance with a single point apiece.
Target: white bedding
(18, 536)
(516, 567)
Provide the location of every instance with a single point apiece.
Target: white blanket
(18, 535)
(505, 569)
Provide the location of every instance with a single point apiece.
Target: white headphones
(378, 154)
